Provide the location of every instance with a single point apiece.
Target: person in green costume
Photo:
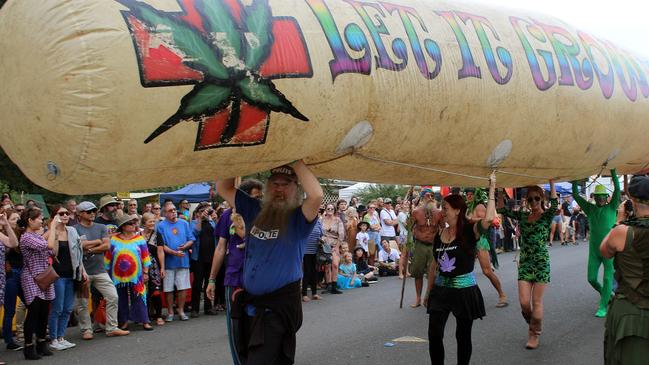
(476, 201)
(601, 218)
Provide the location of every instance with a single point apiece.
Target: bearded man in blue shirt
(270, 306)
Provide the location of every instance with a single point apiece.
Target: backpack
(323, 255)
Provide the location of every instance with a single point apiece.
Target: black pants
(271, 352)
(201, 272)
(508, 240)
(36, 320)
(436, 325)
(310, 277)
(155, 306)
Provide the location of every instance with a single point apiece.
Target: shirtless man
(477, 213)
(426, 219)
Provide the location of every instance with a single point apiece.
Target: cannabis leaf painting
(231, 53)
(446, 264)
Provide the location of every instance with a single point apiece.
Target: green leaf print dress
(534, 264)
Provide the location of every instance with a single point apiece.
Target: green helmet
(600, 190)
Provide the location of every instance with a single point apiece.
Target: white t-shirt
(393, 255)
(362, 238)
(403, 218)
(387, 230)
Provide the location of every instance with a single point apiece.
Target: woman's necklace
(444, 245)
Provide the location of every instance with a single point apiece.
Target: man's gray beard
(276, 214)
(429, 208)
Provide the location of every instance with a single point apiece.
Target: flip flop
(502, 304)
(317, 297)
(415, 305)
(306, 299)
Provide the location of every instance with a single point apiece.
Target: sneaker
(58, 346)
(67, 343)
(183, 317)
(14, 346)
(170, 318)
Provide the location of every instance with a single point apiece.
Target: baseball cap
(85, 206)
(284, 171)
(387, 201)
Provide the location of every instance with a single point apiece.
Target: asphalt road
(354, 327)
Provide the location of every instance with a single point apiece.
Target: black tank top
(64, 265)
(458, 257)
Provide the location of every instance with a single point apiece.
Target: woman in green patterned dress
(534, 263)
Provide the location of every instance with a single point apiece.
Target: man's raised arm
(225, 188)
(311, 187)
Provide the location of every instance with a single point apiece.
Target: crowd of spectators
(107, 265)
(104, 267)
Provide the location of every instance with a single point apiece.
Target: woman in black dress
(452, 284)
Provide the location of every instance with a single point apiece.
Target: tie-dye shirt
(126, 260)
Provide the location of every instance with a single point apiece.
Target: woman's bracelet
(211, 281)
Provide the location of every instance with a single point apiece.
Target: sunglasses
(170, 210)
(329, 209)
(132, 205)
(131, 223)
(92, 211)
(63, 214)
(155, 208)
(533, 198)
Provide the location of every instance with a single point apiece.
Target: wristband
(211, 281)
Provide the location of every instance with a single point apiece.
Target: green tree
(13, 181)
(375, 191)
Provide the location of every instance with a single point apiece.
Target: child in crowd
(347, 276)
(362, 237)
(344, 248)
(364, 270)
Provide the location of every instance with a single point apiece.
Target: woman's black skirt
(464, 302)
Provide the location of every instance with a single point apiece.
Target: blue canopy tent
(194, 193)
(562, 188)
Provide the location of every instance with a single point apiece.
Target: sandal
(306, 299)
(416, 305)
(160, 322)
(147, 327)
(316, 297)
(502, 303)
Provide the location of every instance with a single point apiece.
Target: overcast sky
(625, 22)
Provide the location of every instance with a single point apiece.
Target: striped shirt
(314, 237)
